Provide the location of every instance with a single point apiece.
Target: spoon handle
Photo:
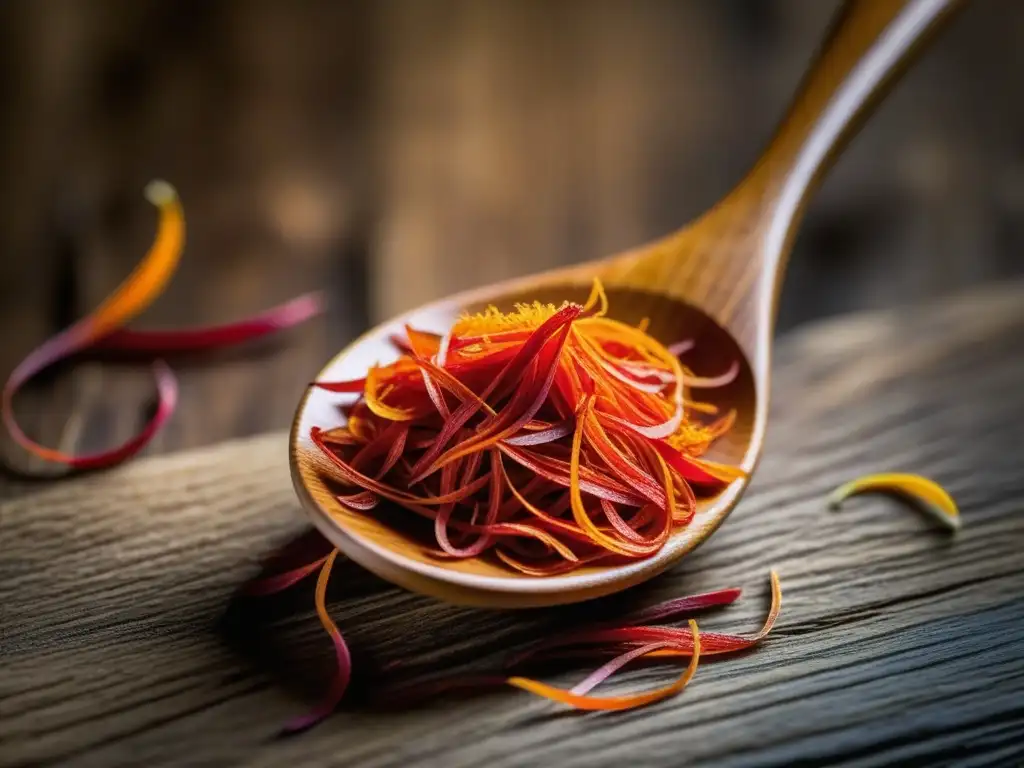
(869, 44)
(731, 261)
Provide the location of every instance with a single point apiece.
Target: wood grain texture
(124, 643)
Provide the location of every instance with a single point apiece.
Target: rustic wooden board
(124, 643)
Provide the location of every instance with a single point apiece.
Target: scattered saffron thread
(343, 671)
(104, 329)
(624, 640)
(928, 495)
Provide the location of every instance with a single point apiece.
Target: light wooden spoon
(715, 281)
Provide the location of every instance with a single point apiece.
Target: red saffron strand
(684, 606)
(598, 640)
(202, 339)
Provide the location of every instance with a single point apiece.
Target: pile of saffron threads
(631, 638)
(104, 331)
(547, 438)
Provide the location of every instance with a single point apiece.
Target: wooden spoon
(715, 281)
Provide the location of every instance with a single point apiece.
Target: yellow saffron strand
(927, 494)
(493, 321)
(375, 394)
(579, 512)
(597, 296)
(523, 317)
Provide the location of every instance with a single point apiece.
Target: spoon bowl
(395, 553)
(715, 282)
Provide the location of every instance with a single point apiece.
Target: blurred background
(391, 152)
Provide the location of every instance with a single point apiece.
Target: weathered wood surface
(124, 644)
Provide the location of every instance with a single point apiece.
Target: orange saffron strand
(150, 277)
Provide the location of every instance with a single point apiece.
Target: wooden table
(125, 643)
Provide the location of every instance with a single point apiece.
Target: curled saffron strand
(343, 674)
(580, 700)
(928, 495)
(103, 330)
(133, 296)
(546, 439)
